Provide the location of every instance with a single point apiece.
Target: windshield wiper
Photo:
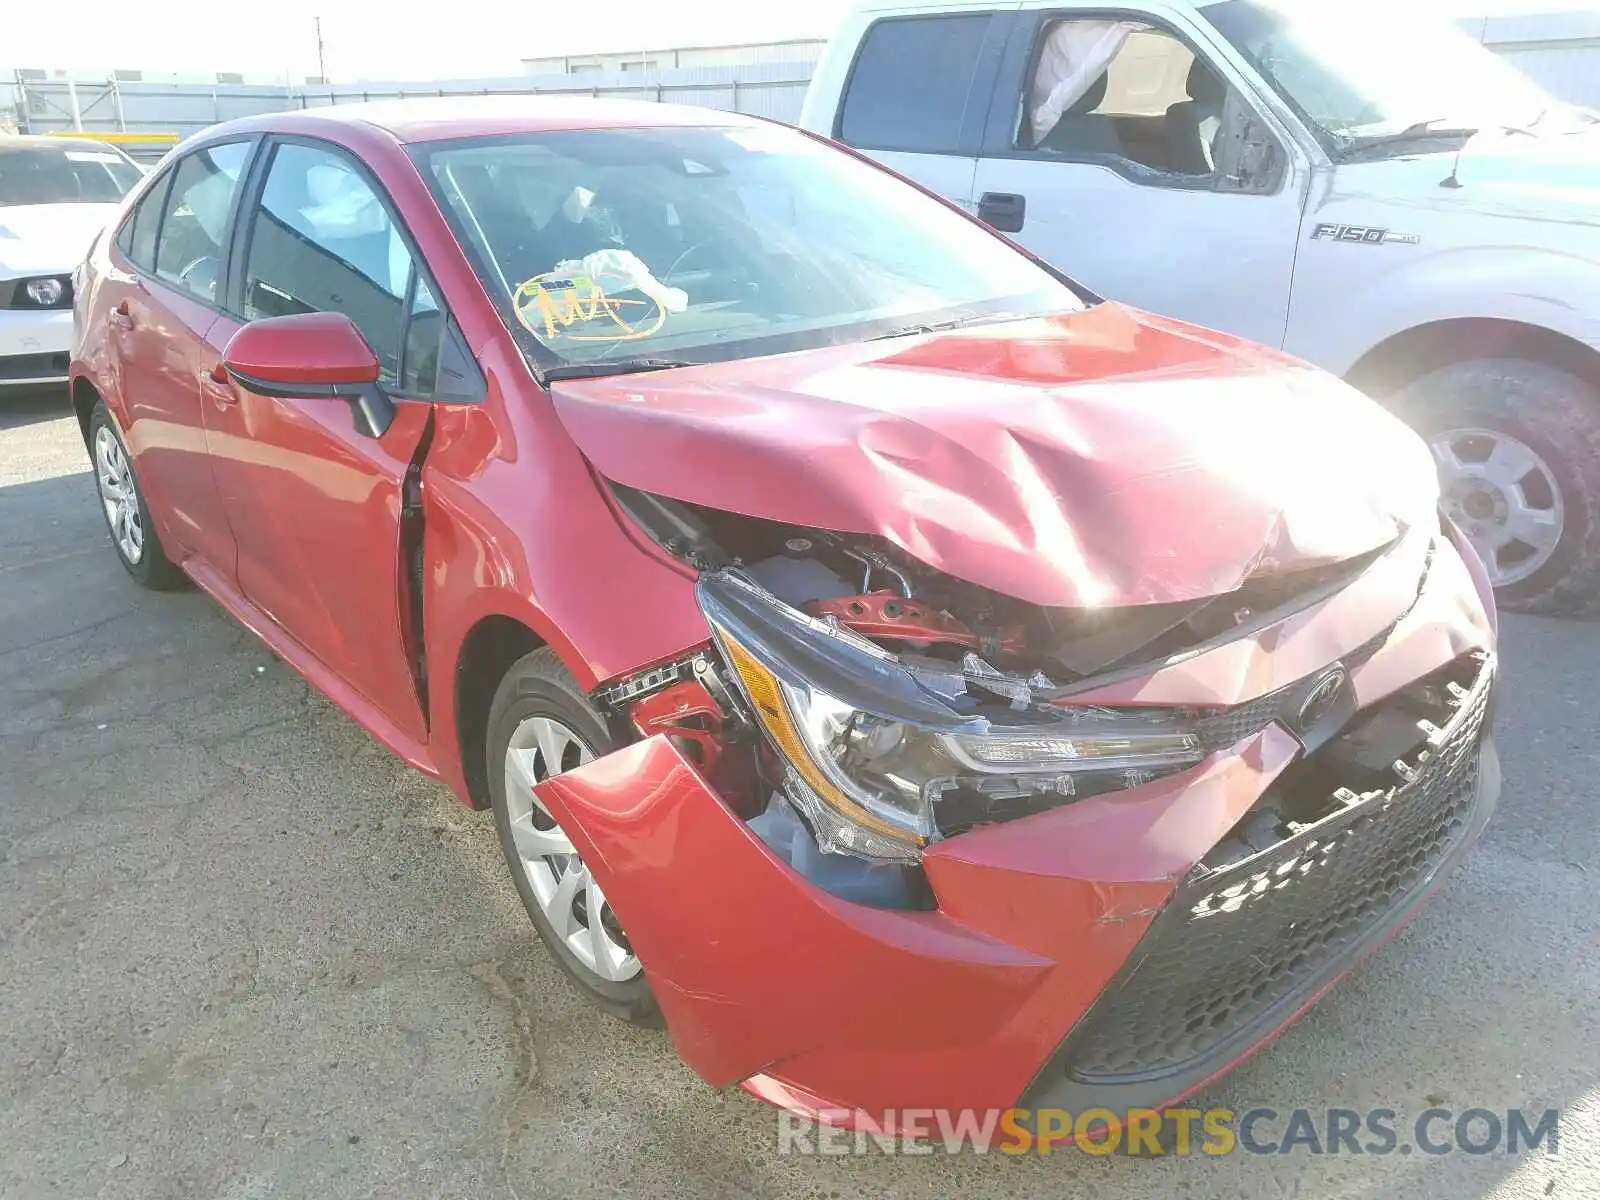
(940, 326)
(613, 366)
(1417, 131)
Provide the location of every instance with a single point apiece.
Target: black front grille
(20, 368)
(1238, 941)
(1222, 728)
(1229, 726)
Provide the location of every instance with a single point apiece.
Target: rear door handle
(121, 317)
(217, 384)
(1004, 211)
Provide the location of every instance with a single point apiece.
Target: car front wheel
(540, 725)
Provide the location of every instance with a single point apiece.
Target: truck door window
(1135, 97)
(909, 87)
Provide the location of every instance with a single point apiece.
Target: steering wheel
(678, 262)
(204, 269)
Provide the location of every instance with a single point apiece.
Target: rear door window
(911, 83)
(190, 247)
(137, 238)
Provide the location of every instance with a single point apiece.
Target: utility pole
(322, 67)
(72, 99)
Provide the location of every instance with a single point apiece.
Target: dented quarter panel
(1101, 458)
(515, 527)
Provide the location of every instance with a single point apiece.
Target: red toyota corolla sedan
(916, 681)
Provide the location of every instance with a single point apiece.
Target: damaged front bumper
(1115, 952)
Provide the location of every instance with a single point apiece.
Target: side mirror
(1248, 157)
(311, 354)
(1003, 211)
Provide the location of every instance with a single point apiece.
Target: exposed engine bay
(866, 585)
(859, 705)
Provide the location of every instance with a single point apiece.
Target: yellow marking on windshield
(549, 305)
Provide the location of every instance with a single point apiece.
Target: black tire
(537, 685)
(154, 569)
(1557, 416)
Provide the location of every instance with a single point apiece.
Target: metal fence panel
(1571, 72)
(1562, 51)
(773, 90)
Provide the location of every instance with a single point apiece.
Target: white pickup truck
(1364, 187)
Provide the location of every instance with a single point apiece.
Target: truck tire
(1518, 448)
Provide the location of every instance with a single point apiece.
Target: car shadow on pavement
(25, 406)
(244, 951)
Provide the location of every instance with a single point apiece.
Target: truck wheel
(540, 725)
(1518, 448)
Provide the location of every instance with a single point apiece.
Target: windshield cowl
(1435, 135)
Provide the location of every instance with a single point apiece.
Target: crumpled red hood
(1102, 458)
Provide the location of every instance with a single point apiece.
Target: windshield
(1355, 77)
(36, 174)
(705, 244)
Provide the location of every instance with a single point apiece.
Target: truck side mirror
(1248, 158)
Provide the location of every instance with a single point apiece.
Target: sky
(379, 39)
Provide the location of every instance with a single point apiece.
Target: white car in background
(56, 194)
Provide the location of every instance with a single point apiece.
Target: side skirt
(310, 668)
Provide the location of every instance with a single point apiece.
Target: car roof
(428, 119)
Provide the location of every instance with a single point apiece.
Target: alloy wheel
(572, 901)
(118, 495)
(1503, 496)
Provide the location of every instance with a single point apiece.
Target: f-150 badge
(1365, 234)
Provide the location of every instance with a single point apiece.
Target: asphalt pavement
(244, 953)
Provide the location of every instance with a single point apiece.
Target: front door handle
(1004, 211)
(219, 386)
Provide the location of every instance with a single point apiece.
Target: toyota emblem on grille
(1322, 697)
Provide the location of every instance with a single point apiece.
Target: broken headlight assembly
(884, 755)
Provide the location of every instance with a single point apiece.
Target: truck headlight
(882, 765)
